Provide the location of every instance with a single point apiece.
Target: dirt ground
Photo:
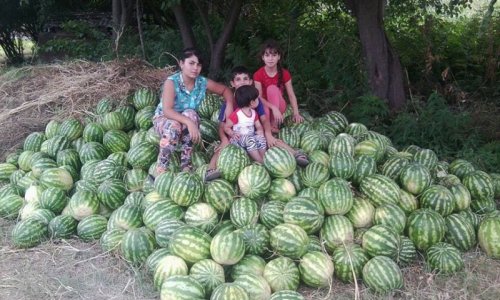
(71, 269)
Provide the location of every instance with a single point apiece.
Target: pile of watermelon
(361, 209)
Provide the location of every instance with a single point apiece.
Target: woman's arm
(168, 100)
(228, 127)
(297, 118)
(225, 92)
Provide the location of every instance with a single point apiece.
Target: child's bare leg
(256, 156)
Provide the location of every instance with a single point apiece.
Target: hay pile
(33, 95)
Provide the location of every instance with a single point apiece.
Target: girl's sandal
(301, 159)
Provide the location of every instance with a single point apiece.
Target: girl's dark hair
(188, 52)
(272, 46)
(245, 94)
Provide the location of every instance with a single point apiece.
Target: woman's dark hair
(245, 94)
(273, 47)
(188, 52)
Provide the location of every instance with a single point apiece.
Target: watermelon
(113, 120)
(229, 291)
(29, 232)
(54, 199)
(71, 128)
(208, 273)
(343, 143)
(220, 194)
(159, 211)
(460, 232)
(190, 243)
(169, 266)
(316, 269)
(92, 151)
(304, 212)
(52, 128)
(62, 227)
(479, 184)
(460, 168)
(186, 189)
(444, 258)
(282, 274)
(116, 141)
(69, 157)
(314, 175)
(439, 199)
(10, 205)
(361, 213)
(201, 215)
(249, 264)
(182, 287)
(426, 157)
(91, 227)
(349, 261)
(461, 195)
(256, 286)
(165, 229)
(407, 252)
(364, 166)
(93, 132)
(254, 181)
(111, 239)
(336, 196)
(144, 97)
(382, 275)
(286, 295)
(244, 211)
(137, 244)
(126, 217)
(271, 213)
(281, 189)
(342, 165)
(337, 230)
(142, 155)
(83, 204)
(279, 162)
(425, 228)
(155, 258)
(380, 189)
(381, 240)
(34, 141)
(488, 236)
(289, 240)
(392, 216)
(144, 118)
(232, 160)
(104, 105)
(415, 178)
(256, 238)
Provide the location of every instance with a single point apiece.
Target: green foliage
(80, 41)
(369, 110)
(450, 134)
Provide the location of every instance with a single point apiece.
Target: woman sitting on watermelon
(175, 119)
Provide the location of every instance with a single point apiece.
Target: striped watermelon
(279, 162)
(337, 230)
(58, 178)
(304, 212)
(343, 143)
(208, 273)
(126, 217)
(407, 202)
(92, 151)
(460, 232)
(69, 157)
(116, 141)
(381, 240)
(104, 105)
(407, 252)
(62, 227)
(113, 120)
(155, 258)
(381, 274)
(256, 238)
(444, 258)
(314, 174)
(144, 118)
(460, 168)
(271, 213)
(182, 287)
(439, 199)
(232, 160)
(254, 181)
(71, 128)
(29, 232)
(111, 239)
(282, 274)
(336, 196)
(286, 295)
(289, 240)
(83, 203)
(426, 157)
(137, 244)
(165, 229)
(227, 248)
(53, 145)
(52, 129)
(220, 194)
(415, 178)
(39, 165)
(144, 97)
(10, 205)
(209, 105)
(349, 261)
(290, 136)
(134, 179)
(316, 269)
(93, 132)
(311, 193)
(167, 267)
(34, 141)
(209, 131)
(281, 189)
(186, 189)
(112, 193)
(201, 215)
(364, 166)
(244, 211)
(380, 189)
(256, 286)
(425, 228)
(369, 148)
(337, 119)
(229, 291)
(163, 182)
(190, 243)
(342, 165)
(488, 236)
(142, 155)
(356, 129)
(361, 213)
(159, 211)
(249, 264)
(461, 195)
(91, 227)
(479, 184)
(128, 113)
(392, 216)
(311, 140)
(54, 199)
(319, 156)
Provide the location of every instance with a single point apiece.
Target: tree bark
(384, 68)
(185, 28)
(217, 55)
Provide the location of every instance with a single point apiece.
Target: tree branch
(184, 26)
(204, 21)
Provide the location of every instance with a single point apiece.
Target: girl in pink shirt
(271, 81)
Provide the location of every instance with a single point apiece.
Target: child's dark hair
(245, 94)
(239, 70)
(188, 52)
(273, 47)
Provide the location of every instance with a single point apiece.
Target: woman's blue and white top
(185, 99)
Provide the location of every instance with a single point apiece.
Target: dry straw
(33, 95)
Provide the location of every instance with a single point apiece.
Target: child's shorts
(250, 142)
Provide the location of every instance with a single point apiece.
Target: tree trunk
(185, 28)
(217, 55)
(384, 69)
